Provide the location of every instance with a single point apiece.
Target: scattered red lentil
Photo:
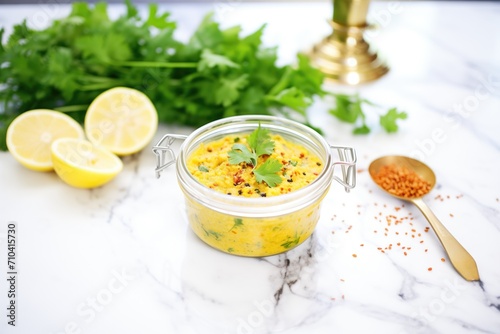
(451, 215)
(442, 259)
(430, 268)
(396, 218)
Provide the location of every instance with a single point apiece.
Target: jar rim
(261, 206)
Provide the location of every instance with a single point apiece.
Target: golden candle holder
(344, 56)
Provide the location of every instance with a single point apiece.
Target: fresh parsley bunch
(217, 73)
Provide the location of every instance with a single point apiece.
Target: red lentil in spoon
(401, 181)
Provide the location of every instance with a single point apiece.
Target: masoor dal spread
(252, 236)
(210, 166)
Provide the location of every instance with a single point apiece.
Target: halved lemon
(31, 134)
(81, 164)
(121, 119)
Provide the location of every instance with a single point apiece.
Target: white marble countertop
(122, 259)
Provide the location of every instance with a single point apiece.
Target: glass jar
(255, 226)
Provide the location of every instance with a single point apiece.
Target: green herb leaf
(131, 10)
(292, 98)
(237, 222)
(211, 60)
(260, 141)
(267, 172)
(361, 130)
(229, 89)
(348, 108)
(240, 153)
(202, 168)
(389, 120)
(291, 242)
(159, 21)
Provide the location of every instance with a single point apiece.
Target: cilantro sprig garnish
(259, 143)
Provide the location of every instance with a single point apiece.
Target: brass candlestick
(344, 56)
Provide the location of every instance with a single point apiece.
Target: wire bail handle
(164, 154)
(347, 156)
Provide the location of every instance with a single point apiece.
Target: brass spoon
(462, 261)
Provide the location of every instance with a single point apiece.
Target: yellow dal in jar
(210, 166)
(252, 236)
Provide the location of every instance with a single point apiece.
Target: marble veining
(122, 258)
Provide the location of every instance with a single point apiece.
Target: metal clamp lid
(347, 156)
(164, 154)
